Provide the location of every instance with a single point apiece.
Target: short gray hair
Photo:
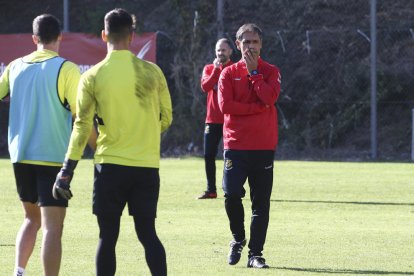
(249, 27)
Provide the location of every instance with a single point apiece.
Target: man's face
(250, 42)
(223, 52)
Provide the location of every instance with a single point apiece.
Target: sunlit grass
(326, 218)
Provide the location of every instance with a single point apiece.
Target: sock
(19, 271)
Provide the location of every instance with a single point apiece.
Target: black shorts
(256, 166)
(116, 185)
(35, 183)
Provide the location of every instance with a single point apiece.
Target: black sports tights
(108, 236)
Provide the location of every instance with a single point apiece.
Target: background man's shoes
(235, 251)
(207, 195)
(257, 262)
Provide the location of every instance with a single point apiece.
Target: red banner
(83, 49)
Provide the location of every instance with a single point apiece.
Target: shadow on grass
(344, 202)
(345, 271)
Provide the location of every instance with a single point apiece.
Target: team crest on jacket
(228, 165)
(207, 129)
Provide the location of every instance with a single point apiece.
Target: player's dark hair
(249, 27)
(47, 28)
(119, 24)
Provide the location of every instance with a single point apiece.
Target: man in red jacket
(213, 130)
(247, 94)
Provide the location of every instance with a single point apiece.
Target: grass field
(326, 218)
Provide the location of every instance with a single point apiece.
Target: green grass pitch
(327, 218)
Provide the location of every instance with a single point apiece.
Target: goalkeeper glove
(61, 188)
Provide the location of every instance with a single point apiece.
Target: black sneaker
(235, 251)
(257, 262)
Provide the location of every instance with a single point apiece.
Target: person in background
(132, 104)
(213, 129)
(248, 91)
(40, 123)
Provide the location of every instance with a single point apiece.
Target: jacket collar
(227, 64)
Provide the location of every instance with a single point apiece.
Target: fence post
(412, 139)
(66, 15)
(373, 79)
(220, 9)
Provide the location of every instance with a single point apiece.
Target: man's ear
(131, 37)
(103, 36)
(238, 44)
(35, 39)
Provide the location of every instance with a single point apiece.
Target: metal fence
(325, 108)
(327, 86)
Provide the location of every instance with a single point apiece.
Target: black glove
(61, 188)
